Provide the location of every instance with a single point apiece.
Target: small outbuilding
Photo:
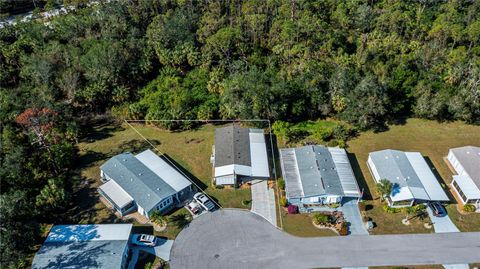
(413, 180)
(466, 184)
(144, 182)
(316, 175)
(239, 155)
(85, 246)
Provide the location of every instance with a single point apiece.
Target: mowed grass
(432, 139)
(301, 225)
(189, 150)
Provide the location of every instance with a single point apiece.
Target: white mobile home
(466, 162)
(413, 180)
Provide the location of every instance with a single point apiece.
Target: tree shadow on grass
(357, 171)
(135, 146)
(100, 132)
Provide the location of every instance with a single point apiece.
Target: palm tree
(158, 218)
(180, 220)
(384, 187)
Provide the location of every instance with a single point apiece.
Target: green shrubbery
(283, 201)
(281, 183)
(469, 208)
(389, 209)
(319, 218)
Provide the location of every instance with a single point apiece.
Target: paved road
(351, 212)
(263, 201)
(445, 225)
(240, 239)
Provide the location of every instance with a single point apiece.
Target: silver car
(145, 240)
(203, 200)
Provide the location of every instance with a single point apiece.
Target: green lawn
(191, 150)
(432, 139)
(301, 225)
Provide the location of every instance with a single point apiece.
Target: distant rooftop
(83, 246)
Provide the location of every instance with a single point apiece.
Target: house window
(464, 198)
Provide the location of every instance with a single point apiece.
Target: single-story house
(144, 182)
(85, 246)
(317, 175)
(413, 180)
(239, 155)
(466, 162)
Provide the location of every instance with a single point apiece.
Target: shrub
(281, 184)
(283, 201)
(336, 205)
(157, 218)
(324, 134)
(362, 206)
(219, 186)
(343, 229)
(246, 202)
(388, 209)
(292, 209)
(319, 218)
(469, 208)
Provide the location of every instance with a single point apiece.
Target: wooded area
(364, 62)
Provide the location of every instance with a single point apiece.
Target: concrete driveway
(231, 238)
(161, 250)
(351, 212)
(263, 201)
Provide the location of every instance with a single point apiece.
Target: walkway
(445, 225)
(231, 238)
(263, 201)
(161, 250)
(351, 212)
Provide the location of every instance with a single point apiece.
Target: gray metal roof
(142, 184)
(469, 158)
(394, 166)
(83, 246)
(314, 170)
(232, 146)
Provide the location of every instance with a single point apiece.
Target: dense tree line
(363, 62)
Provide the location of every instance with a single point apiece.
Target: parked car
(437, 209)
(203, 200)
(194, 207)
(146, 240)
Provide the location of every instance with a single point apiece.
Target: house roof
(241, 151)
(317, 170)
(116, 193)
(83, 246)
(164, 170)
(411, 176)
(232, 146)
(469, 189)
(141, 183)
(469, 158)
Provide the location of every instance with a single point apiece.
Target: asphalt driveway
(231, 238)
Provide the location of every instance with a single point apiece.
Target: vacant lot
(191, 150)
(433, 140)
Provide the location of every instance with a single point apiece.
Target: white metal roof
(233, 168)
(164, 170)
(410, 174)
(344, 171)
(467, 186)
(258, 153)
(89, 232)
(428, 179)
(401, 193)
(291, 175)
(469, 158)
(116, 193)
